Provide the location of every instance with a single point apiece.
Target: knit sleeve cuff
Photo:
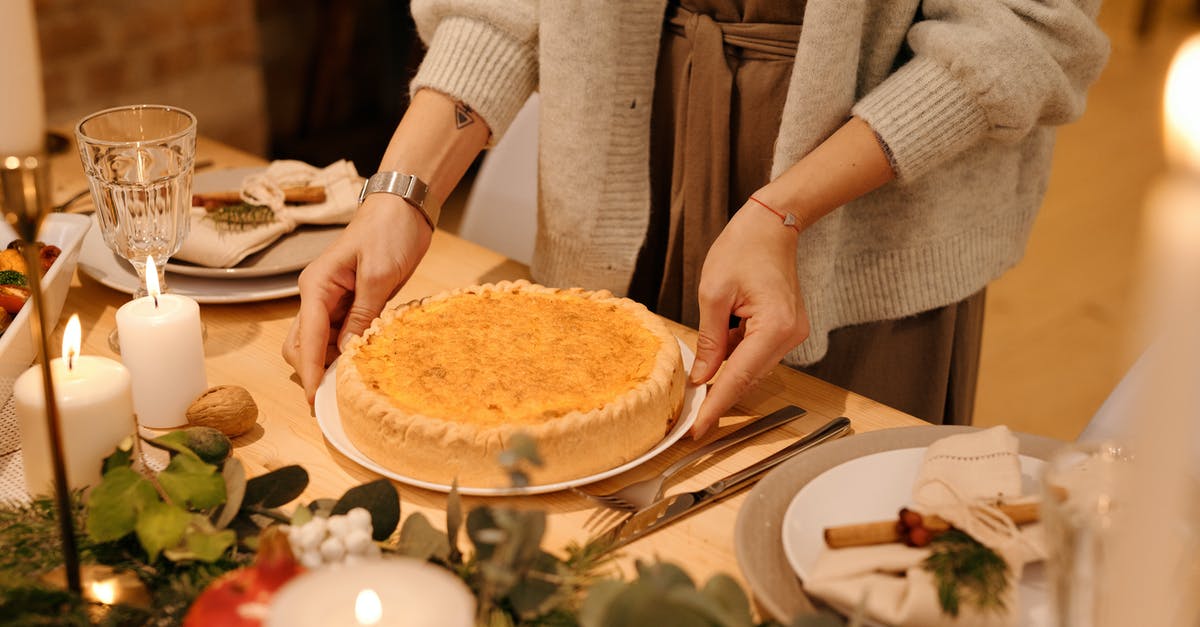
(923, 116)
(481, 66)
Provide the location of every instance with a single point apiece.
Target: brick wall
(202, 55)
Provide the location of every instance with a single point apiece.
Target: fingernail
(698, 368)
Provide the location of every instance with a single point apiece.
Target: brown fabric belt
(700, 181)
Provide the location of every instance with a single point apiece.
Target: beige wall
(202, 55)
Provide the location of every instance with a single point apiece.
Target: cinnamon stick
(291, 195)
(887, 531)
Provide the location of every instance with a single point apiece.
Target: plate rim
(218, 291)
(693, 396)
(770, 578)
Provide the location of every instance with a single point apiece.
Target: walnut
(227, 408)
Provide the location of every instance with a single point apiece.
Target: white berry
(359, 518)
(356, 541)
(338, 526)
(333, 550)
(311, 536)
(310, 559)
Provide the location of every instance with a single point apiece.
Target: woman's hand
(750, 272)
(348, 285)
(345, 288)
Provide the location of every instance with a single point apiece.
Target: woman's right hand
(346, 288)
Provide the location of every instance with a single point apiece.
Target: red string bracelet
(789, 220)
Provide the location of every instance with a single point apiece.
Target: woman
(714, 158)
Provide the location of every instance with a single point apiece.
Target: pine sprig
(241, 216)
(965, 570)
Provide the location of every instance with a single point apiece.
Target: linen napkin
(960, 476)
(209, 244)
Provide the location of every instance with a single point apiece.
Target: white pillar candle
(386, 592)
(95, 411)
(1149, 573)
(163, 346)
(22, 107)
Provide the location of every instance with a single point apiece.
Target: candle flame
(105, 591)
(1182, 107)
(152, 287)
(368, 609)
(72, 340)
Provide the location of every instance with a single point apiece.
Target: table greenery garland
(199, 518)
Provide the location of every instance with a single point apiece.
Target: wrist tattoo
(463, 116)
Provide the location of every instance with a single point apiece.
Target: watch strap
(413, 190)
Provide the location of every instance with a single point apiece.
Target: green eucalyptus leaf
(521, 447)
(246, 528)
(207, 443)
(533, 596)
(202, 542)
(175, 441)
(664, 575)
(190, 482)
(276, 488)
(378, 497)
(234, 476)
(301, 516)
(322, 507)
(600, 597)
(113, 505)
(161, 526)
(484, 533)
(419, 539)
(121, 457)
(454, 522)
(730, 598)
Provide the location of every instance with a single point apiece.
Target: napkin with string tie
(960, 479)
(214, 245)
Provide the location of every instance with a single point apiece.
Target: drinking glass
(138, 160)
(1081, 505)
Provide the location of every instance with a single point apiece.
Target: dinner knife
(671, 508)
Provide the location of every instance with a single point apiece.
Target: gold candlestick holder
(25, 202)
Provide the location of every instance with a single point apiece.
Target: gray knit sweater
(964, 94)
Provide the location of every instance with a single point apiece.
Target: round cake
(435, 389)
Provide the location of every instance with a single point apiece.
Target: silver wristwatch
(412, 189)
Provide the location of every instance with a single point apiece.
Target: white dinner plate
(331, 425)
(290, 253)
(875, 487)
(99, 262)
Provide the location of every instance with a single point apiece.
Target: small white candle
(95, 410)
(384, 592)
(22, 107)
(163, 346)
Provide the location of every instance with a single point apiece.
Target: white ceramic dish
(875, 487)
(289, 253)
(99, 262)
(331, 425)
(17, 346)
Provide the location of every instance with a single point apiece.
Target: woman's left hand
(750, 272)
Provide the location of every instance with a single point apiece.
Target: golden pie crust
(435, 389)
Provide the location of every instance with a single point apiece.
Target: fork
(636, 496)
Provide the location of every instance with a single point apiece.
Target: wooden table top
(243, 348)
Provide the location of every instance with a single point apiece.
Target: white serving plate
(330, 422)
(875, 487)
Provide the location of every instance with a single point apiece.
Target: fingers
(768, 338)
(373, 286)
(312, 328)
(713, 337)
